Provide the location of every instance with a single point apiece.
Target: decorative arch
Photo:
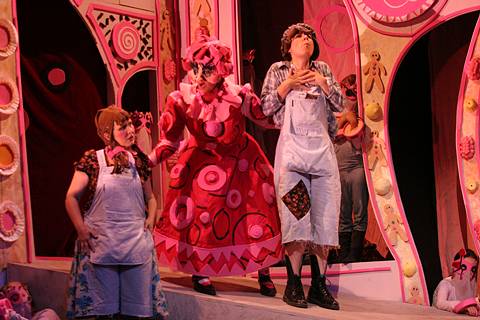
(381, 42)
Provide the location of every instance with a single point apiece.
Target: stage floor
(237, 298)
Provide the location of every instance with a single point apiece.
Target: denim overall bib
(305, 153)
(116, 217)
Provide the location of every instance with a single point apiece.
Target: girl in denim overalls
(114, 269)
(301, 95)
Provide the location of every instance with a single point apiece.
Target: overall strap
(102, 162)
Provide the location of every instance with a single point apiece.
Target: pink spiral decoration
(255, 231)
(467, 147)
(125, 41)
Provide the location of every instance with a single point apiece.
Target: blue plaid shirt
(273, 106)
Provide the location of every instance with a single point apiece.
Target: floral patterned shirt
(89, 165)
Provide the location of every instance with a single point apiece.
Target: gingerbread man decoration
(415, 296)
(374, 70)
(376, 151)
(393, 225)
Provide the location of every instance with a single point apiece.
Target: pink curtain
(446, 64)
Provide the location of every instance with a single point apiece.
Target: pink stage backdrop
(332, 24)
(330, 20)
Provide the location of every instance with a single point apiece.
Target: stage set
(417, 67)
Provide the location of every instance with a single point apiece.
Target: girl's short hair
(291, 32)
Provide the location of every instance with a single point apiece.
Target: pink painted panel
(403, 26)
(466, 170)
(23, 151)
(123, 47)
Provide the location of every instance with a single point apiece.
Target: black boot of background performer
(356, 247)
(294, 294)
(345, 239)
(318, 293)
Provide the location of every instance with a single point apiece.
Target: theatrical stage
(238, 297)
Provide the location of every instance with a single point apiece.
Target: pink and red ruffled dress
(220, 216)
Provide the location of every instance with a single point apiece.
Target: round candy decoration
(212, 178)
(373, 111)
(9, 98)
(8, 38)
(125, 41)
(12, 223)
(9, 155)
(471, 185)
(470, 104)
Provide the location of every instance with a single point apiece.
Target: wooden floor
(237, 298)
(244, 291)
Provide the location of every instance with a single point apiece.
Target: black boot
(203, 285)
(318, 293)
(356, 247)
(267, 288)
(294, 294)
(345, 239)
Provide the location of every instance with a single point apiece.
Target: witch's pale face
(204, 77)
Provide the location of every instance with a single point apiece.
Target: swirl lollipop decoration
(125, 41)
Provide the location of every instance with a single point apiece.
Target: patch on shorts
(297, 200)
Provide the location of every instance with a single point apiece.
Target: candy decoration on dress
(181, 212)
(212, 178)
(255, 231)
(234, 199)
(268, 193)
(243, 165)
